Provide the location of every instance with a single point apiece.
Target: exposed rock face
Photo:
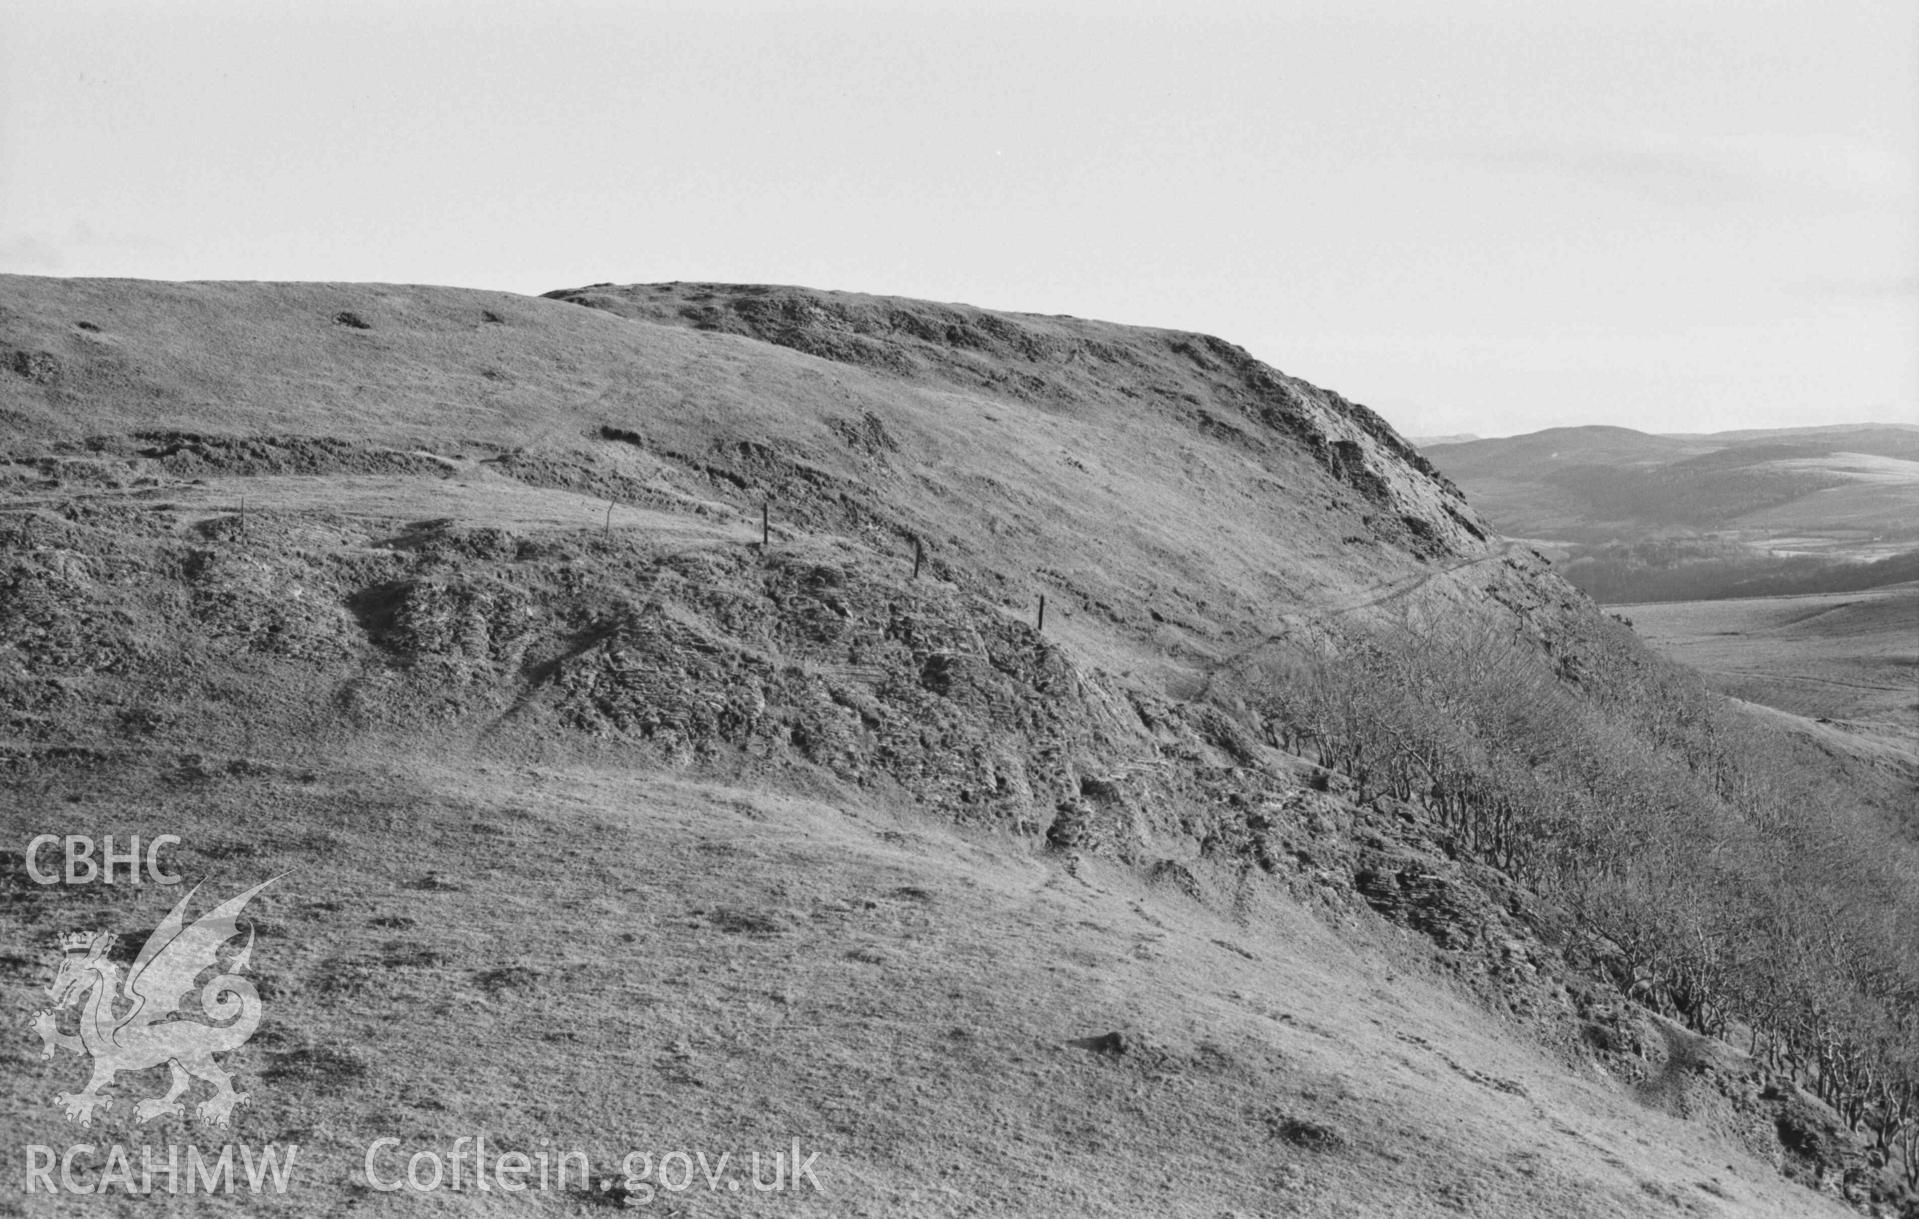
(1408, 889)
(808, 659)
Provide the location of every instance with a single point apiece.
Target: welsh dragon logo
(153, 1029)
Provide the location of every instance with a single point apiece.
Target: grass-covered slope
(1127, 471)
(607, 818)
(623, 962)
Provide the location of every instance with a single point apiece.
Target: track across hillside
(1289, 623)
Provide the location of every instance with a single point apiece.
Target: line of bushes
(1621, 574)
(1705, 876)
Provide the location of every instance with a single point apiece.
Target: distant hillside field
(1640, 517)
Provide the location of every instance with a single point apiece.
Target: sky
(1481, 216)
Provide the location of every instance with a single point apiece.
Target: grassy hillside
(619, 961)
(603, 815)
(1012, 458)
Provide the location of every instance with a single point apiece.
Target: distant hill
(1621, 503)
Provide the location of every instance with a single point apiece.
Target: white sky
(1484, 216)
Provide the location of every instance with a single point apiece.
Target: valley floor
(1840, 656)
